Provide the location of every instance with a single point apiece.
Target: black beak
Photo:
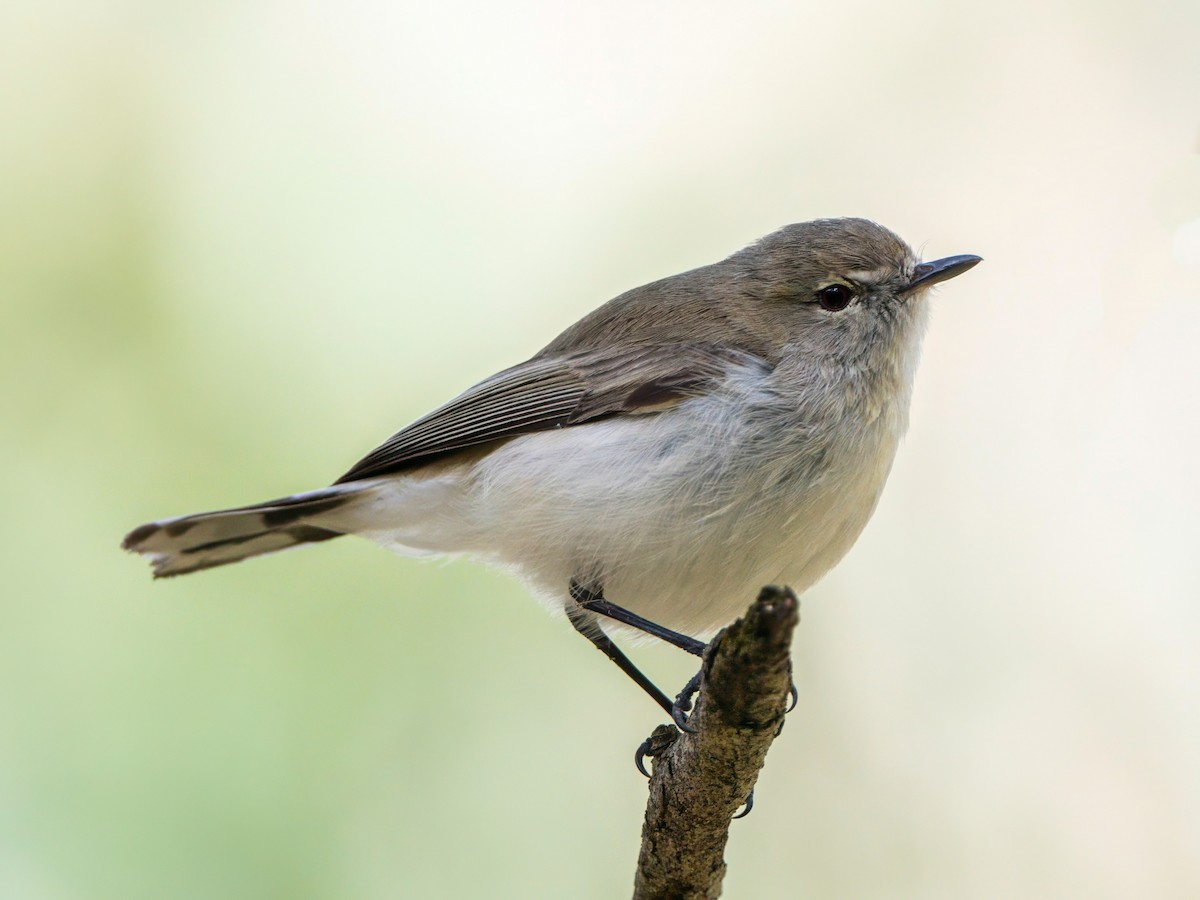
(928, 274)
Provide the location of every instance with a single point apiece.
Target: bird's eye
(835, 297)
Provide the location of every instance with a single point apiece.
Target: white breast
(681, 516)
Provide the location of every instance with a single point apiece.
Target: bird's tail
(205, 540)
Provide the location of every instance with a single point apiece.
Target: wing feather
(555, 392)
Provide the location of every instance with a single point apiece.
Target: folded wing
(556, 392)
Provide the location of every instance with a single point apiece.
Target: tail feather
(202, 541)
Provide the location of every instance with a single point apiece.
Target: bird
(660, 460)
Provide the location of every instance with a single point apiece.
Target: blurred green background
(240, 243)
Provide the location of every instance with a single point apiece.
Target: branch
(700, 780)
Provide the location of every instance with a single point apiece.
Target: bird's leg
(585, 623)
(594, 600)
(588, 601)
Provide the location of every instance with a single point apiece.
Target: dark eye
(835, 297)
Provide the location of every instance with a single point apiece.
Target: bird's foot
(683, 704)
(655, 745)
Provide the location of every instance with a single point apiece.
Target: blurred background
(241, 243)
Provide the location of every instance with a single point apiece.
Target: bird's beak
(928, 274)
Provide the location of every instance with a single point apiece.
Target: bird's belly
(680, 525)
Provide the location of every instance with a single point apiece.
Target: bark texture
(701, 780)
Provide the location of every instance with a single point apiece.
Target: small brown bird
(661, 459)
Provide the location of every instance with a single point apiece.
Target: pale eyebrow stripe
(868, 275)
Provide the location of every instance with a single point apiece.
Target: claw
(639, 757)
(679, 717)
(795, 695)
(749, 805)
(683, 704)
(654, 746)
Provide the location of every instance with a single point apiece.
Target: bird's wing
(556, 392)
